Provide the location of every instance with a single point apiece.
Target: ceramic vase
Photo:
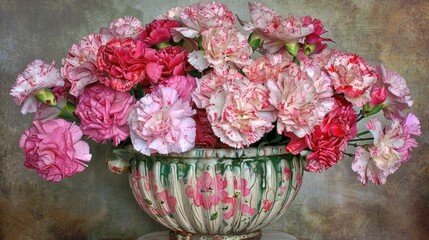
(217, 193)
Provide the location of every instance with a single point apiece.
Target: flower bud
(292, 48)
(309, 48)
(46, 96)
(255, 40)
(378, 95)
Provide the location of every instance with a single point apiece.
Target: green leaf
(214, 216)
(149, 202)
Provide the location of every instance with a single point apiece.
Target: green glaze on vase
(217, 193)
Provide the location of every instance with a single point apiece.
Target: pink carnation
(168, 62)
(351, 76)
(275, 29)
(36, 76)
(241, 121)
(80, 65)
(302, 101)
(209, 83)
(123, 27)
(204, 15)
(103, 112)
(397, 94)
(390, 150)
(223, 46)
(158, 31)
(54, 149)
(266, 67)
(330, 139)
(185, 85)
(161, 122)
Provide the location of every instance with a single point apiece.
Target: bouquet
(200, 76)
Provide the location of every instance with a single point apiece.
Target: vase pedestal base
(266, 235)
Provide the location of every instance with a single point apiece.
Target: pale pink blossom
(208, 191)
(302, 102)
(240, 112)
(397, 93)
(352, 76)
(54, 149)
(104, 112)
(204, 15)
(185, 85)
(267, 67)
(162, 122)
(389, 151)
(275, 29)
(127, 26)
(225, 46)
(36, 76)
(209, 83)
(80, 65)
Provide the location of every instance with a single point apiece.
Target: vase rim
(233, 153)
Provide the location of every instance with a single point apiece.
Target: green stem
(72, 116)
(360, 118)
(363, 133)
(361, 139)
(348, 154)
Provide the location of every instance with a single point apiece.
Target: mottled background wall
(98, 205)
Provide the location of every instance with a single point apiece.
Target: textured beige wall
(98, 205)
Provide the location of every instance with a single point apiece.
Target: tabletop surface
(266, 235)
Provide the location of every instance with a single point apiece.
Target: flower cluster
(191, 78)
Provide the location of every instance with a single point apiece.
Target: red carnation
(158, 31)
(122, 63)
(168, 62)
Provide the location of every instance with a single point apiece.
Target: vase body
(216, 193)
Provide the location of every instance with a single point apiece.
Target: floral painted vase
(217, 193)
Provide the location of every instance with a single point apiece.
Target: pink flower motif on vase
(208, 191)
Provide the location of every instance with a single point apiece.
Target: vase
(216, 193)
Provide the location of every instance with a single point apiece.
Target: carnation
(80, 65)
(158, 31)
(123, 28)
(54, 149)
(352, 76)
(275, 29)
(103, 113)
(166, 63)
(397, 95)
(300, 106)
(225, 46)
(204, 15)
(122, 63)
(36, 76)
(241, 121)
(389, 151)
(162, 123)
